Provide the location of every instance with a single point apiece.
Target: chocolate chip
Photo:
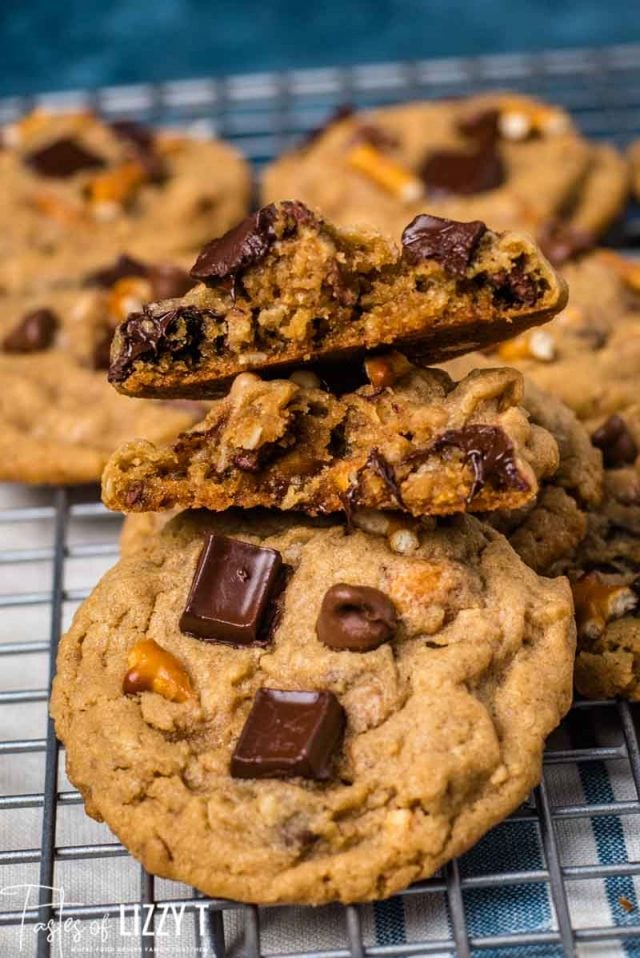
(35, 332)
(250, 241)
(122, 267)
(450, 243)
(490, 454)
(561, 242)
(356, 617)
(288, 734)
(463, 173)
(168, 281)
(615, 440)
(515, 287)
(482, 126)
(146, 334)
(139, 135)
(63, 158)
(234, 585)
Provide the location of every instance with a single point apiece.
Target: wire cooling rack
(560, 877)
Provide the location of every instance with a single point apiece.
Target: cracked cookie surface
(286, 288)
(445, 722)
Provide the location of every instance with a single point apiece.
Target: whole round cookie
(78, 189)
(59, 418)
(509, 160)
(274, 710)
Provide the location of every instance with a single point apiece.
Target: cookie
(605, 571)
(411, 440)
(285, 288)
(59, 418)
(78, 189)
(511, 161)
(589, 354)
(394, 707)
(550, 527)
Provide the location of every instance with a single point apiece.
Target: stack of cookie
(96, 218)
(326, 677)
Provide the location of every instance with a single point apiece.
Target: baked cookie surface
(411, 439)
(399, 757)
(285, 288)
(509, 160)
(78, 189)
(59, 418)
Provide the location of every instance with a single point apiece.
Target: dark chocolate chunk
(156, 329)
(137, 134)
(452, 244)
(63, 158)
(242, 246)
(482, 126)
(618, 446)
(489, 453)
(168, 281)
(233, 588)
(122, 267)
(35, 332)
(515, 287)
(463, 173)
(250, 241)
(289, 734)
(356, 617)
(561, 242)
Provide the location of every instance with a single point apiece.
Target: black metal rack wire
(53, 544)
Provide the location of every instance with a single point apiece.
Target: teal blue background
(62, 44)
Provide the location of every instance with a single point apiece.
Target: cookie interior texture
(445, 722)
(422, 444)
(285, 288)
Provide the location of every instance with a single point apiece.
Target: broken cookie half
(410, 440)
(286, 288)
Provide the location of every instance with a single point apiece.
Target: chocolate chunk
(490, 454)
(452, 244)
(122, 267)
(463, 173)
(289, 734)
(377, 462)
(137, 134)
(515, 287)
(157, 329)
(242, 246)
(234, 590)
(616, 442)
(63, 158)
(482, 126)
(356, 617)
(35, 332)
(250, 241)
(168, 281)
(561, 242)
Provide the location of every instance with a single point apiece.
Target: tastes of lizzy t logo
(110, 934)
